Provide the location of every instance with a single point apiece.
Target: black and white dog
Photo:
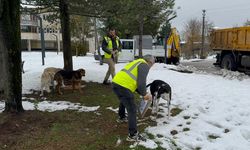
(160, 89)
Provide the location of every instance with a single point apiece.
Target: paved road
(205, 65)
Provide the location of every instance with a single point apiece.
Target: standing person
(130, 79)
(111, 45)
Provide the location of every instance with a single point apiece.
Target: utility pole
(42, 37)
(96, 38)
(203, 33)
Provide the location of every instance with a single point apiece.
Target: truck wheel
(228, 62)
(159, 60)
(101, 59)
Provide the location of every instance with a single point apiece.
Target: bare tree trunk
(10, 50)
(141, 22)
(140, 36)
(3, 61)
(66, 37)
(192, 49)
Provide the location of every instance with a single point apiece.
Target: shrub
(80, 49)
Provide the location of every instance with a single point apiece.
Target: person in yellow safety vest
(111, 45)
(130, 79)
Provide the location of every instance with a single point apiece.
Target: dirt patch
(14, 126)
(175, 111)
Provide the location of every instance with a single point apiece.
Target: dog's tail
(170, 95)
(148, 85)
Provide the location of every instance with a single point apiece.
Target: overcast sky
(223, 13)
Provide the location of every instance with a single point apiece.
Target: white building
(31, 37)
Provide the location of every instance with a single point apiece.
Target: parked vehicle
(233, 47)
(147, 48)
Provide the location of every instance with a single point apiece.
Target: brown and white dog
(47, 78)
(74, 78)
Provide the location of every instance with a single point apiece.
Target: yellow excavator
(173, 47)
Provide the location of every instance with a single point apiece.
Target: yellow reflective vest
(127, 77)
(110, 46)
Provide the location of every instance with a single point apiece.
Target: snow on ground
(51, 106)
(215, 114)
(213, 104)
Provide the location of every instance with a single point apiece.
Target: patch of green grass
(174, 132)
(173, 142)
(186, 117)
(36, 104)
(159, 135)
(175, 111)
(150, 136)
(60, 127)
(185, 129)
(160, 116)
(226, 130)
(198, 148)
(93, 94)
(211, 136)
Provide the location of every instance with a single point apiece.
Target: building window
(30, 29)
(44, 17)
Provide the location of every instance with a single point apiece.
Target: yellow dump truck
(173, 47)
(233, 47)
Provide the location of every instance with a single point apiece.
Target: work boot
(136, 137)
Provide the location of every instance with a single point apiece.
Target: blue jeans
(127, 101)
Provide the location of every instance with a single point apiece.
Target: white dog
(47, 78)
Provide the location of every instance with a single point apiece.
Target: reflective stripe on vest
(130, 69)
(127, 77)
(110, 45)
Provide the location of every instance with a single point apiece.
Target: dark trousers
(127, 101)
